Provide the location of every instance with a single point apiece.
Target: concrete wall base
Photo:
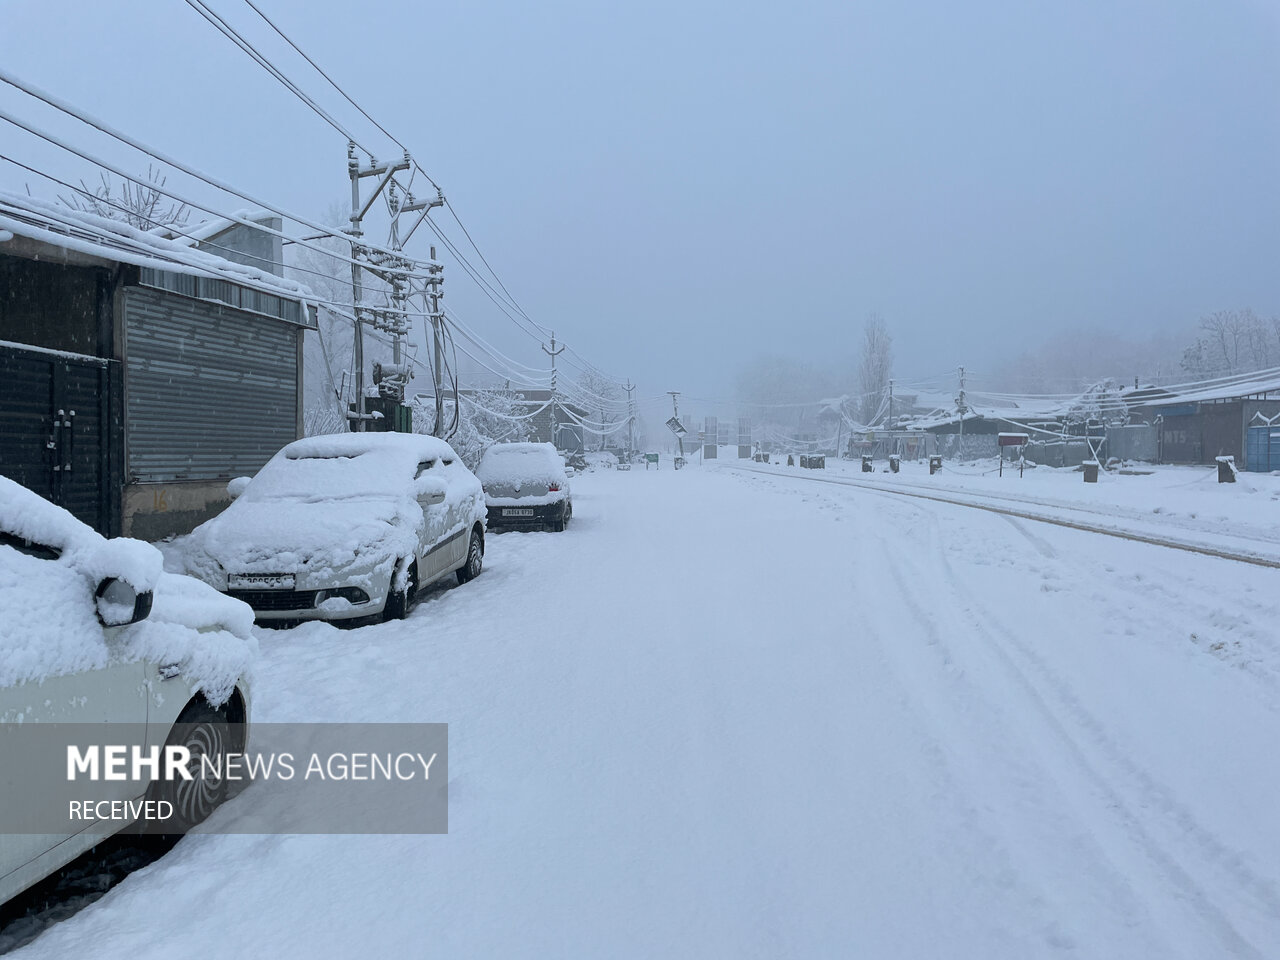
(153, 511)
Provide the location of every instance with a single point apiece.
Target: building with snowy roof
(142, 370)
(1236, 416)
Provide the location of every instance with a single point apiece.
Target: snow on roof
(1224, 388)
(114, 240)
(207, 229)
(981, 408)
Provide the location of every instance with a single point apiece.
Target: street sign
(676, 427)
(651, 457)
(1013, 439)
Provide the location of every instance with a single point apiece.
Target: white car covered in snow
(525, 486)
(344, 526)
(93, 632)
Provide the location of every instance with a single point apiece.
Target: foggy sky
(680, 187)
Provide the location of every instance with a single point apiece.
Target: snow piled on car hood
(287, 535)
(50, 619)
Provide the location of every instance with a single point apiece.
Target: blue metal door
(1262, 449)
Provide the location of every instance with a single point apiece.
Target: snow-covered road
(744, 715)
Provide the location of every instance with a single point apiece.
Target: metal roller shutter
(211, 392)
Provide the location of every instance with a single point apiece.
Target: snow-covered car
(525, 485)
(344, 527)
(94, 632)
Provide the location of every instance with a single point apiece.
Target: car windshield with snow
(95, 632)
(344, 527)
(525, 486)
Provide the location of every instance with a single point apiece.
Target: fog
(684, 191)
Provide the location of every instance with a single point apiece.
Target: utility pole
(675, 406)
(631, 420)
(432, 297)
(390, 267)
(357, 358)
(553, 353)
(962, 407)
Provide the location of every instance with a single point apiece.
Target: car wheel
(398, 601)
(475, 558)
(560, 524)
(205, 732)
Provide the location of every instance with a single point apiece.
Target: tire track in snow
(956, 702)
(1265, 671)
(1179, 606)
(984, 844)
(1151, 794)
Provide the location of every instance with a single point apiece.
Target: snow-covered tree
(1101, 403)
(875, 367)
(606, 405)
(1230, 342)
(483, 418)
(141, 205)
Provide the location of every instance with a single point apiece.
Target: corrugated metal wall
(211, 392)
(1180, 439)
(1139, 441)
(1222, 434)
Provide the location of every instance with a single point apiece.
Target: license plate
(517, 512)
(260, 581)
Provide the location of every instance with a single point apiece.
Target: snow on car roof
(345, 465)
(356, 444)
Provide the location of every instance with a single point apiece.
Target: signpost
(678, 429)
(1011, 440)
(651, 458)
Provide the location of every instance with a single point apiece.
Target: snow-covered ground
(735, 714)
(1181, 503)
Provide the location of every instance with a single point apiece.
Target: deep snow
(740, 715)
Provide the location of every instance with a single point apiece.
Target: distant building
(1238, 417)
(140, 372)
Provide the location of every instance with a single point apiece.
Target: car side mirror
(236, 486)
(120, 604)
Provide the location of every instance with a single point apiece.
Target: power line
(387, 133)
(249, 50)
(539, 330)
(99, 125)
